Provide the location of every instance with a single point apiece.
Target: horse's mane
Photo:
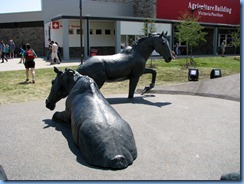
(135, 44)
(77, 76)
(151, 35)
(83, 82)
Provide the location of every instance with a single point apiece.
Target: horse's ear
(69, 70)
(72, 71)
(162, 34)
(56, 70)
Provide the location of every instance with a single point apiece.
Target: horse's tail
(119, 162)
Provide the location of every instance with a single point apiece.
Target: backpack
(29, 54)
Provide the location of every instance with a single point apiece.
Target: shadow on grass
(24, 83)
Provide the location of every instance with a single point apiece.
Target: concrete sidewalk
(178, 137)
(13, 64)
(181, 133)
(227, 87)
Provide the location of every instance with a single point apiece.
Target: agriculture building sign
(211, 11)
(216, 11)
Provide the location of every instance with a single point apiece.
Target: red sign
(55, 25)
(210, 11)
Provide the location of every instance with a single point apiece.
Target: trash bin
(93, 52)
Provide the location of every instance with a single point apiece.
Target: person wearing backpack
(29, 63)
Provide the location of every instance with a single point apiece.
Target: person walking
(223, 46)
(7, 50)
(59, 51)
(30, 55)
(22, 52)
(177, 49)
(11, 48)
(3, 51)
(49, 52)
(54, 53)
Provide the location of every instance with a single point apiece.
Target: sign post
(81, 32)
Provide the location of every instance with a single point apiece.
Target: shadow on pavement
(137, 100)
(66, 131)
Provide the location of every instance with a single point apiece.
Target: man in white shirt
(55, 52)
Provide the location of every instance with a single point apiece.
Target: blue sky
(10, 6)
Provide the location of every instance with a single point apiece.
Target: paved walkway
(13, 64)
(227, 87)
(188, 131)
(178, 137)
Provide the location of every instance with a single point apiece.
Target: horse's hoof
(119, 162)
(146, 89)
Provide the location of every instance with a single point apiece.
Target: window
(107, 32)
(71, 31)
(98, 31)
(78, 31)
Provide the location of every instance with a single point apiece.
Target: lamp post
(81, 48)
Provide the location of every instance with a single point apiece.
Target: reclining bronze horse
(128, 64)
(103, 137)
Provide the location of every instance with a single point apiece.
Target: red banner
(210, 11)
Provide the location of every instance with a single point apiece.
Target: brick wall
(146, 8)
(32, 35)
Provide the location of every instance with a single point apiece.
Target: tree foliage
(149, 27)
(236, 38)
(190, 31)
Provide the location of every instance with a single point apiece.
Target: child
(22, 54)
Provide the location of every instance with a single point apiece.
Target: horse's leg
(154, 73)
(62, 117)
(100, 84)
(132, 86)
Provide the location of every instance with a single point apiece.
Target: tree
(190, 31)
(236, 38)
(149, 27)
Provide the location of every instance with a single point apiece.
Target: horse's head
(161, 45)
(61, 86)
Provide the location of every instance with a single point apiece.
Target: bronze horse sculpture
(128, 64)
(102, 136)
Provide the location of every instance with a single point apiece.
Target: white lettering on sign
(214, 11)
(210, 14)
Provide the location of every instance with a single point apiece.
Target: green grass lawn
(14, 89)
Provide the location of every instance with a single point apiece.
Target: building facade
(108, 25)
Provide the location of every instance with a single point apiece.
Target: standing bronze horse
(128, 64)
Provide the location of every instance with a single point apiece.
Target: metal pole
(81, 48)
